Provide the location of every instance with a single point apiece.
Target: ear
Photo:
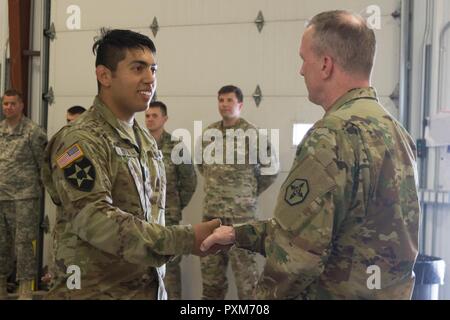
(165, 118)
(21, 105)
(241, 105)
(327, 67)
(104, 75)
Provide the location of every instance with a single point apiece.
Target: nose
(150, 76)
(301, 71)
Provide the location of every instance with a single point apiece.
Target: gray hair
(347, 38)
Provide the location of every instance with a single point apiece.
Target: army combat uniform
(231, 194)
(108, 183)
(346, 221)
(21, 151)
(181, 183)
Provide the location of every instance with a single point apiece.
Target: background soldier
(106, 176)
(231, 194)
(71, 115)
(350, 200)
(181, 183)
(22, 143)
(74, 112)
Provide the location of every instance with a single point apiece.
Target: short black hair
(110, 47)
(160, 105)
(230, 89)
(13, 93)
(76, 110)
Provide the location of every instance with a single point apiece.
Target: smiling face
(130, 88)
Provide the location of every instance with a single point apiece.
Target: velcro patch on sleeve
(70, 155)
(306, 183)
(81, 175)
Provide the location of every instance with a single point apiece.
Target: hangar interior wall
(205, 44)
(201, 46)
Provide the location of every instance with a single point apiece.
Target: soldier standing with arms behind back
(22, 144)
(231, 194)
(349, 204)
(181, 183)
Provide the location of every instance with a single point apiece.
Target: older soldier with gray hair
(22, 144)
(349, 205)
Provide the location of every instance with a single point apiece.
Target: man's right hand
(202, 231)
(224, 236)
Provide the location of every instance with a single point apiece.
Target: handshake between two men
(211, 237)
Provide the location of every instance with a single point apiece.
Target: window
(299, 131)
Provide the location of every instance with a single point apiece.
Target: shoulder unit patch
(296, 192)
(81, 174)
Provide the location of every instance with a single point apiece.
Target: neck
(115, 109)
(13, 122)
(157, 134)
(342, 87)
(229, 122)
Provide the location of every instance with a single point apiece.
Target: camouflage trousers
(172, 280)
(214, 272)
(19, 228)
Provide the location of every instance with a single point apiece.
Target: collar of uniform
(17, 129)
(165, 138)
(107, 114)
(3, 127)
(351, 95)
(237, 125)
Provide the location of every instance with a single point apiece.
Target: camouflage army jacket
(181, 180)
(346, 221)
(232, 189)
(110, 196)
(21, 154)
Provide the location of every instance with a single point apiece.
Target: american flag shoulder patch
(69, 155)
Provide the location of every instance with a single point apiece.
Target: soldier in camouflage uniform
(181, 181)
(74, 112)
(22, 144)
(231, 194)
(106, 177)
(346, 221)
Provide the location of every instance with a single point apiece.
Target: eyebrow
(142, 62)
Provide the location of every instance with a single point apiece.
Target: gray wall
(435, 217)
